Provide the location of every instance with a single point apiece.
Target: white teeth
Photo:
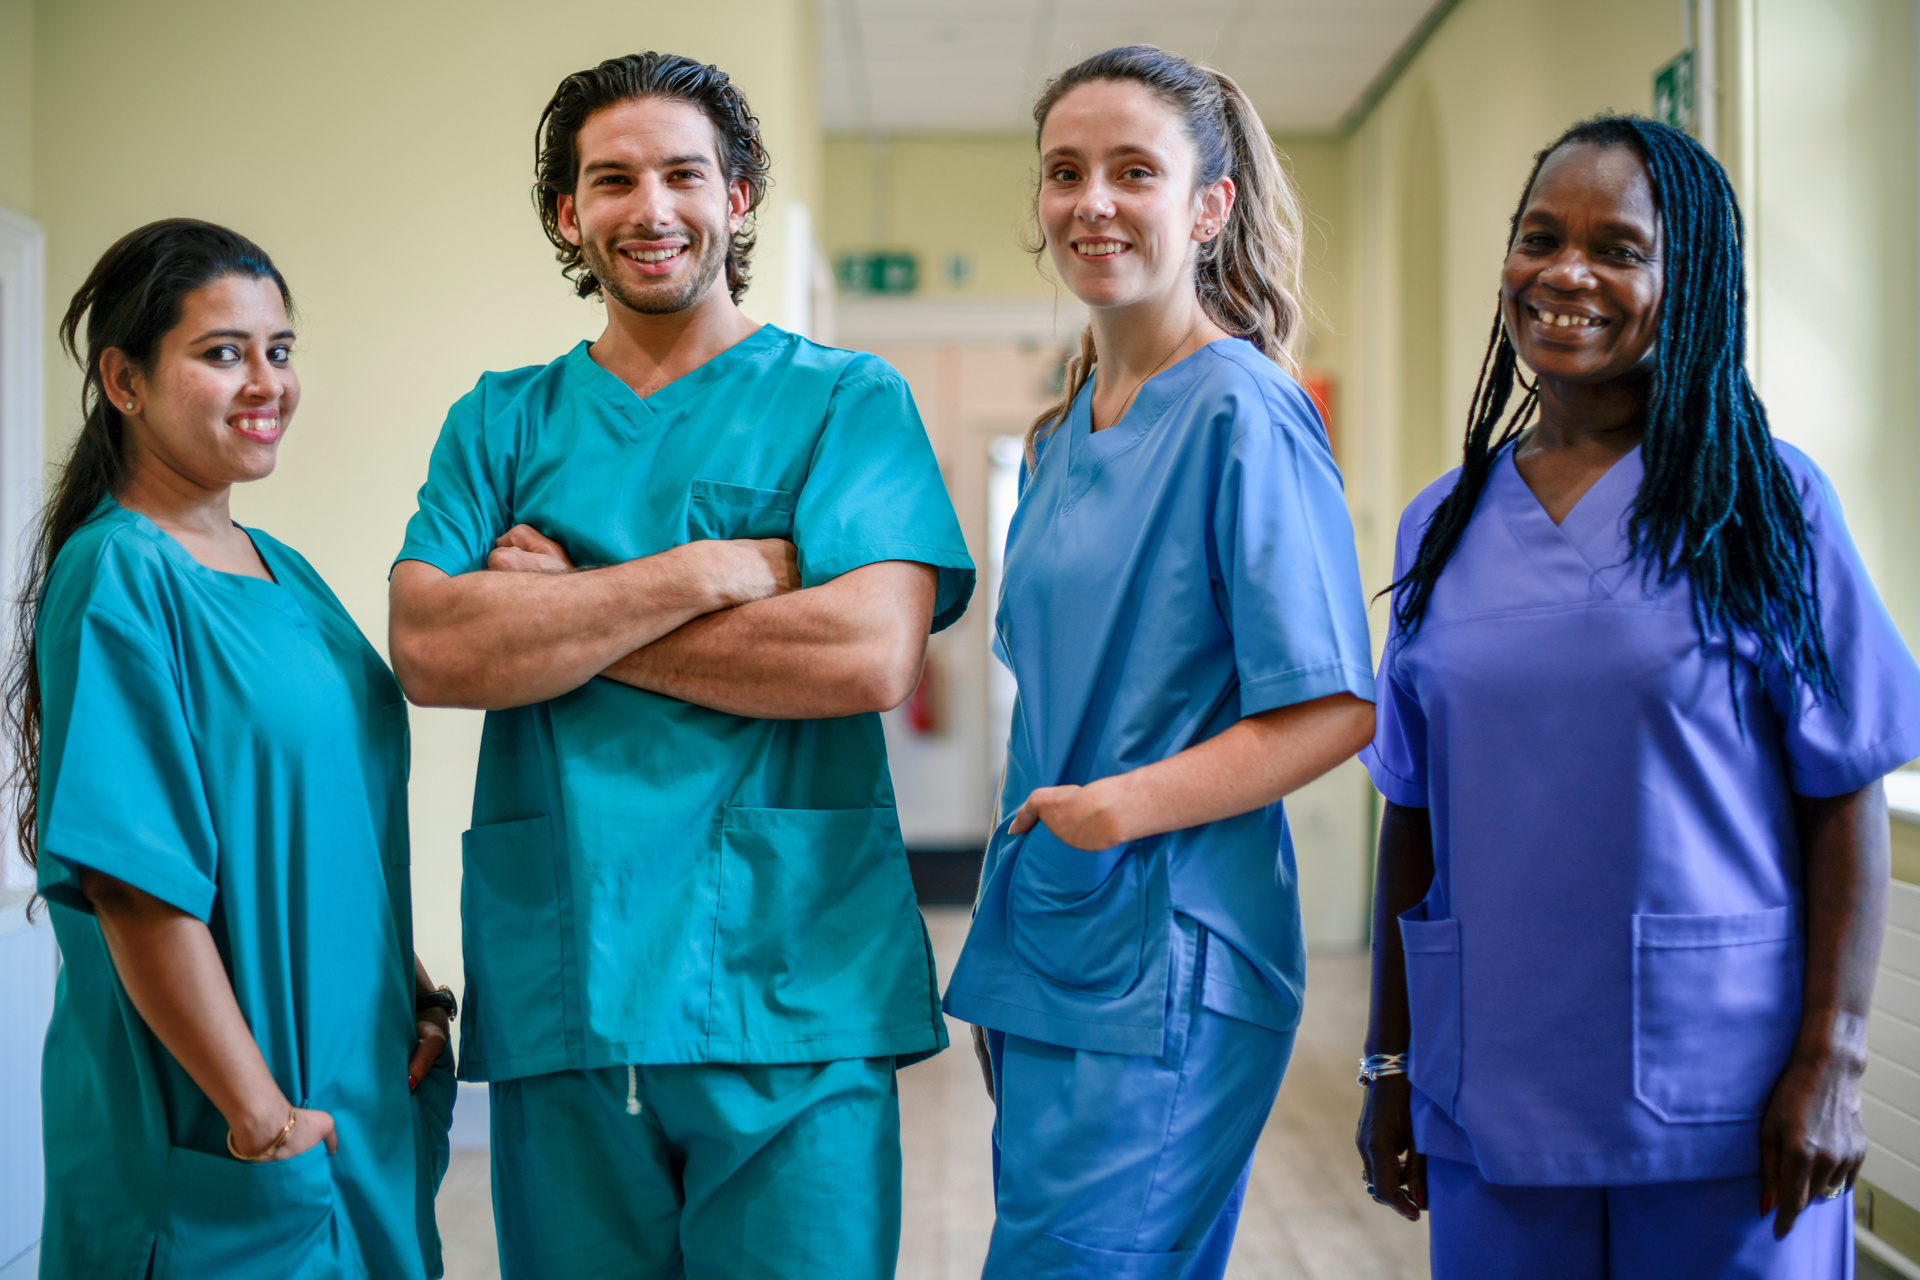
(654, 255)
(1561, 322)
(1101, 248)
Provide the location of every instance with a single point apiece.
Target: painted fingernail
(412, 1084)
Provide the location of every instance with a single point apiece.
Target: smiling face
(219, 391)
(652, 210)
(1580, 294)
(1118, 204)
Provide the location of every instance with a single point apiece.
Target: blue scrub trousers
(1110, 1164)
(709, 1171)
(1706, 1230)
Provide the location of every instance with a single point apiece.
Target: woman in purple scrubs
(1633, 717)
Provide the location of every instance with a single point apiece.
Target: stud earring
(129, 406)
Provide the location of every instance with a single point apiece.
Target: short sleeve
(120, 785)
(1284, 556)
(1396, 759)
(1834, 746)
(873, 492)
(460, 511)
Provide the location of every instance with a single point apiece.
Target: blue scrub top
(1605, 977)
(650, 881)
(1189, 566)
(237, 749)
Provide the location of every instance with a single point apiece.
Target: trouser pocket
(226, 1217)
(1716, 1007)
(1432, 950)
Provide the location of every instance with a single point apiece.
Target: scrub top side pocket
(819, 944)
(1716, 1007)
(1432, 949)
(513, 947)
(224, 1217)
(1077, 918)
(716, 509)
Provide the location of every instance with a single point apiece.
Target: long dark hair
(133, 297)
(556, 154)
(1248, 276)
(1716, 503)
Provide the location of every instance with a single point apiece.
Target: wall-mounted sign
(890, 273)
(1673, 89)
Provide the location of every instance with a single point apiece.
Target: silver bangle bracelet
(1376, 1065)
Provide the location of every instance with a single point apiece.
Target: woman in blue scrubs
(1634, 714)
(1182, 610)
(213, 786)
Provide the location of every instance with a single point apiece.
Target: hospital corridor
(1353, 564)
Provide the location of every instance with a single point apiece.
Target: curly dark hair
(645, 75)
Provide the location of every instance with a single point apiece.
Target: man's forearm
(491, 640)
(849, 646)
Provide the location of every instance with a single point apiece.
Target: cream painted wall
(16, 104)
(382, 154)
(1835, 229)
(1556, 63)
(935, 197)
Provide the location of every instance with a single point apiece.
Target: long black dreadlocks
(1716, 502)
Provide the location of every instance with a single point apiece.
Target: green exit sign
(893, 273)
(1673, 87)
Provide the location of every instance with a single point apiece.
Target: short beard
(654, 302)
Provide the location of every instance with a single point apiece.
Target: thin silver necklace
(1128, 403)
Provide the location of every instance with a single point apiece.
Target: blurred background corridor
(382, 153)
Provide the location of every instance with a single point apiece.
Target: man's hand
(524, 549)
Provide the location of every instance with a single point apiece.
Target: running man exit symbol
(1673, 93)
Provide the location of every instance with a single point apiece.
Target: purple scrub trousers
(1705, 1230)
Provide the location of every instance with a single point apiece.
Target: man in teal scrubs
(683, 567)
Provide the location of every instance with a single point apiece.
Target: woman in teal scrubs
(213, 787)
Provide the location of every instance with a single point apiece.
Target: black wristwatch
(442, 998)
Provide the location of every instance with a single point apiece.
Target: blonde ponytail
(1247, 277)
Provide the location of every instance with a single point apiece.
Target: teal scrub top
(235, 748)
(650, 881)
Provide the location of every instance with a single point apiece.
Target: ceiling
(936, 66)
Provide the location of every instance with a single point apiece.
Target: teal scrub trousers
(711, 1171)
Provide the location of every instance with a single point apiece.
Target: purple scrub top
(1605, 976)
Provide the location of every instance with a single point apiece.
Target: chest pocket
(718, 510)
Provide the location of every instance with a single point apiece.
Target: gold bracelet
(281, 1141)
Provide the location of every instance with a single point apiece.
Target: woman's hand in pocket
(433, 1032)
(1084, 817)
(310, 1128)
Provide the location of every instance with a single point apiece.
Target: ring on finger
(1834, 1193)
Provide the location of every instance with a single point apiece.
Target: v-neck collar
(272, 593)
(639, 412)
(1591, 541)
(1089, 451)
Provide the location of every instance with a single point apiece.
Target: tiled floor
(1306, 1217)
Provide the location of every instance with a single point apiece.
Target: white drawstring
(633, 1091)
